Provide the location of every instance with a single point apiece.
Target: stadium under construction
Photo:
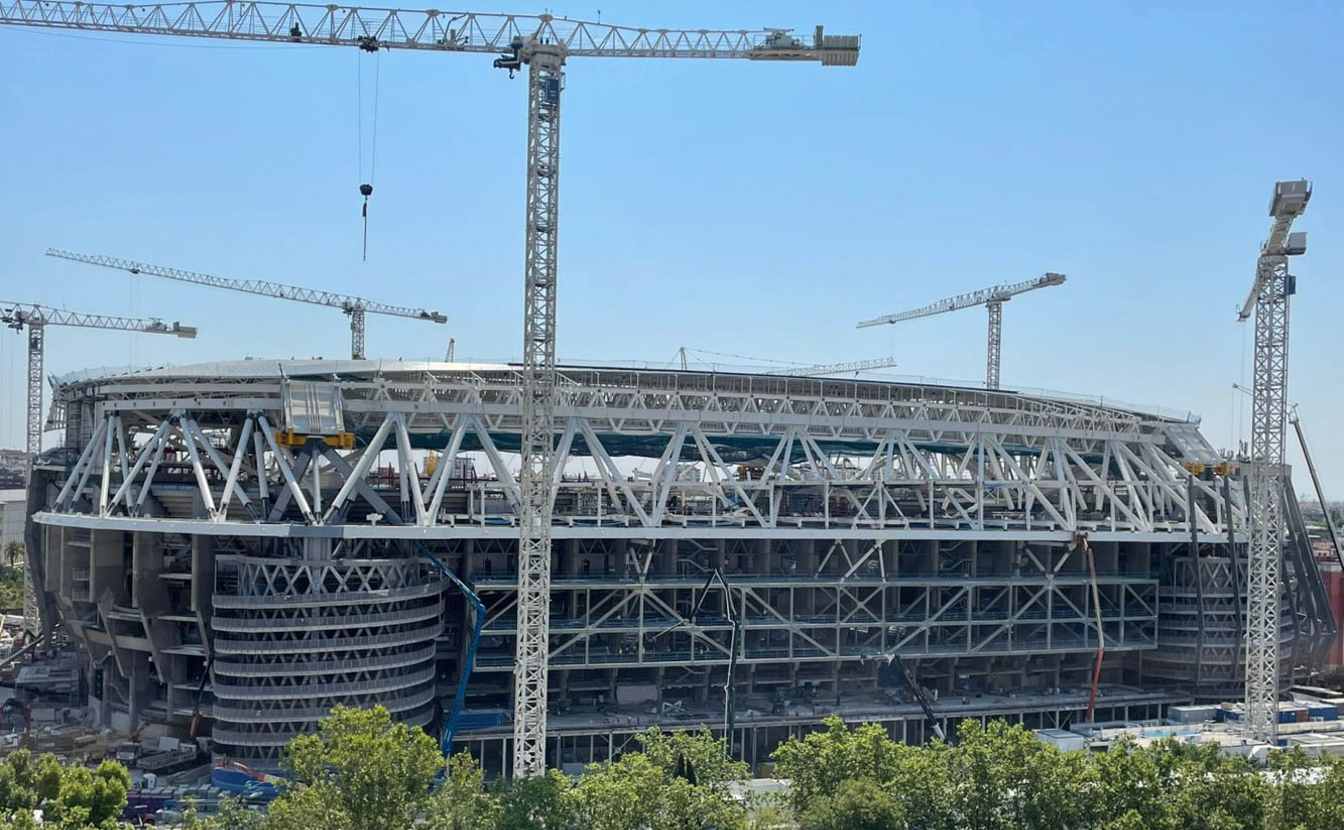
(244, 545)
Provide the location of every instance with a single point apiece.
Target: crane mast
(353, 307)
(543, 43)
(993, 299)
(544, 83)
(994, 343)
(1269, 296)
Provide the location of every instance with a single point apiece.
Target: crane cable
(366, 188)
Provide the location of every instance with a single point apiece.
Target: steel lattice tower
(545, 77)
(36, 340)
(995, 344)
(1270, 297)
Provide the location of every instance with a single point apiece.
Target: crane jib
(371, 29)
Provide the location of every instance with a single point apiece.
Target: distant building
(13, 468)
(13, 514)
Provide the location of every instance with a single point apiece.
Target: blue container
(479, 719)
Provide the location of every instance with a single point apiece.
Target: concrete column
(107, 566)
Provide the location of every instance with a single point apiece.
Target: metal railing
(399, 702)
(225, 645)
(239, 668)
(327, 598)
(340, 621)
(233, 691)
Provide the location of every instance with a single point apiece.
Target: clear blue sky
(748, 208)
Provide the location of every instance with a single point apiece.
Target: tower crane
(821, 369)
(543, 43)
(1268, 299)
(36, 318)
(992, 299)
(353, 307)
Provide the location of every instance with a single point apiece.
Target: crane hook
(366, 190)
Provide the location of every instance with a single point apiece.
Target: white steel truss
(958, 478)
(1270, 294)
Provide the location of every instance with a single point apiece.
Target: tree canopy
(68, 797)
(1000, 777)
(361, 770)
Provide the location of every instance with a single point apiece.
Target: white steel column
(1268, 420)
(357, 332)
(1270, 294)
(995, 310)
(36, 337)
(545, 79)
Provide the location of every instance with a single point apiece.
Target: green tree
(1212, 792)
(11, 577)
(678, 781)
(70, 798)
(1130, 781)
(541, 803)
(770, 811)
(27, 781)
(638, 793)
(919, 777)
(1004, 777)
(360, 771)
(462, 802)
(820, 762)
(699, 754)
(860, 804)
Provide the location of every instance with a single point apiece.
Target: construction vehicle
(450, 723)
(734, 646)
(992, 299)
(920, 697)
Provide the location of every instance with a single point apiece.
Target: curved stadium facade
(224, 540)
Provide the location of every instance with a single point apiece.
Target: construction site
(535, 561)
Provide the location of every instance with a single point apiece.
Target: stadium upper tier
(271, 444)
